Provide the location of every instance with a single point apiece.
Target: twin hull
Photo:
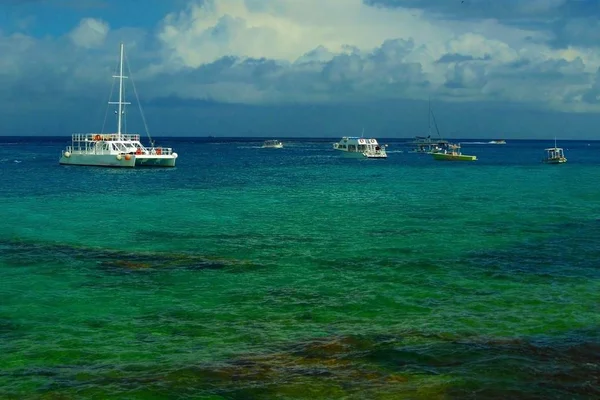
(110, 160)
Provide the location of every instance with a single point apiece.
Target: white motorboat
(360, 147)
(272, 144)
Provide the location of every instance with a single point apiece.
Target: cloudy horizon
(510, 69)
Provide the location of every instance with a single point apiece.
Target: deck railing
(95, 137)
(165, 151)
(155, 151)
(87, 143)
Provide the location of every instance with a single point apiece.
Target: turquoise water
(249, 273)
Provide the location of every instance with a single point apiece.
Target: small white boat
(554, 155)
(272, 144)
(360, 147)
(499, 141)
(116, 149)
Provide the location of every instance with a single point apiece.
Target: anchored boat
(272, 144)
(452, 153)
(554, 155)
(360, 147)
(427, 145)
(116, 149)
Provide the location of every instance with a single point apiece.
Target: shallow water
(249, 273)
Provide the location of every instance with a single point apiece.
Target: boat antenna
(362, 134)
(121, 103)
(429, 118)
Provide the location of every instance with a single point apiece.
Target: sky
(509, 69)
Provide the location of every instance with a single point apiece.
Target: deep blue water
(250, 273)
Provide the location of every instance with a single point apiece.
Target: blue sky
(493, 69)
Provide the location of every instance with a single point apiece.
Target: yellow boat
(452, 153)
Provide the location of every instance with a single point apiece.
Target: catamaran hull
(101, 160)
(155, 161)
(450, 157)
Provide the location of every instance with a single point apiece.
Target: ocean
(297, 273)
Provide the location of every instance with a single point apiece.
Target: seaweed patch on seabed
(569, 251)
(413, 365)
(23, 253)
(272, 240)
(8, 327)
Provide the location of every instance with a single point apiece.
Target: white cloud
(344, 49)
(89, 33)
(287, 29)
(478, 46)
(329, 51)
(284, 29)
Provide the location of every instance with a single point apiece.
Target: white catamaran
(116, 149)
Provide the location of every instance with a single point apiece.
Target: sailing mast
(121, 103)
(429, 118)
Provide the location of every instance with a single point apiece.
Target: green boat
(452, 153)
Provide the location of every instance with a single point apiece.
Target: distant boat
(554, 155)
(272, 144)
(427, 145)
(452, 153)
(499, 141)
(116, 149)
(360, 147)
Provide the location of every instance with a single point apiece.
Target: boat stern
(375, 154)
(150, 160)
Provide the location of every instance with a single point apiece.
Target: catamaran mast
(121, 103)
(120, 92)
(429, 119)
